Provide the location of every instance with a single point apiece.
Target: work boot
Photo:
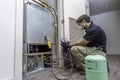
(80, 71)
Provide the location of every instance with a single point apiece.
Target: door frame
(18, 39)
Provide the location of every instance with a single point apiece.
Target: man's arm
(82, 42)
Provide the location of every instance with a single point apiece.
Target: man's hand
(65, 45)
(82, 42)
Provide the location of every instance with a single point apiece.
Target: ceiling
(102, 6)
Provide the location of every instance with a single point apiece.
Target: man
(94, 37)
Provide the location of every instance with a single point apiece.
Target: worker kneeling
(94, 37)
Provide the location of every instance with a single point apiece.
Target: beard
(82, 28)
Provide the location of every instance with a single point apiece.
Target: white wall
(72, 9)
(8, 26)
(110, 22)
(7, 30)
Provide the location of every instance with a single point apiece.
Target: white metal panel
(39, 24)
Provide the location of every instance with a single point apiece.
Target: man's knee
(75, 49)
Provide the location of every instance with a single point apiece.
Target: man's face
(83, 24)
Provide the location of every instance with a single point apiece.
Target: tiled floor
(114, 64)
